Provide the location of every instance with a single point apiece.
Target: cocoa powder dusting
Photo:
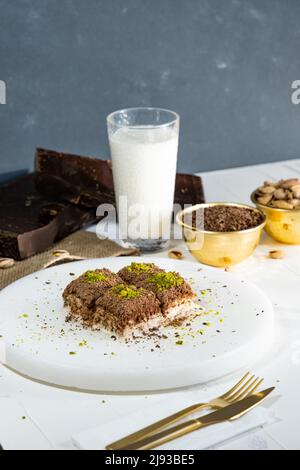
(226, 218)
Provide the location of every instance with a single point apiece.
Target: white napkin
(17, 430)
(99, 437)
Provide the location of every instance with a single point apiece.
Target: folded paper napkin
(17, 430)
(79, 245)
(99, 437)
(81, 422)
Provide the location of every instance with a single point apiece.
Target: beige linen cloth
(78, 245)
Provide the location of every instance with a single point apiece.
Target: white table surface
(61, 413)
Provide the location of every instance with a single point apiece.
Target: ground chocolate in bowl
(223, 218)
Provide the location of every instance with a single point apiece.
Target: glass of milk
(144, 147)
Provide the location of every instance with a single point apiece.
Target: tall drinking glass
(144, 147)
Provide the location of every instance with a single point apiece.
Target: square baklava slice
(137, 273)
(175, 295)
(81, 294)
(127, 310)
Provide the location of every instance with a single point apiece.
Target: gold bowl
(219, 249)
(282, 224)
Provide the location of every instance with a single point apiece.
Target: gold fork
(245, 387)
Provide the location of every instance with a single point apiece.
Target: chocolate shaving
(226, 218)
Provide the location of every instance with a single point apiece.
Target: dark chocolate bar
(89, 181)
(30, 223)
(80, 180)
(188, 190)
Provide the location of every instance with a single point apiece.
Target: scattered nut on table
(175, 254)
(276, 254)
(60, 252)
(283, 194)
(62, 259)
(6, 263)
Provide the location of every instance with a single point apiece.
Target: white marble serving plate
(235, 330)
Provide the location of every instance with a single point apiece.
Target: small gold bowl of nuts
(280, 202)
(221, 234)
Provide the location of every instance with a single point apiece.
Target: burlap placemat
(78, 245)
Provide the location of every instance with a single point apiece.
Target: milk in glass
(144, 160)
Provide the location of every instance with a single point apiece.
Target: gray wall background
(225, 65)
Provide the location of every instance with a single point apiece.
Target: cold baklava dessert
(140, 298)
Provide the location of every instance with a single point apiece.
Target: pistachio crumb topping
(93, 276)
(141, 267)
(165, 281)
(127, 292)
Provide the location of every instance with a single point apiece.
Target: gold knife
(230, 412)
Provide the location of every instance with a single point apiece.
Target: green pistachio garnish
(166, 280)
(93, 276)
(141, 267)
(127, 292)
